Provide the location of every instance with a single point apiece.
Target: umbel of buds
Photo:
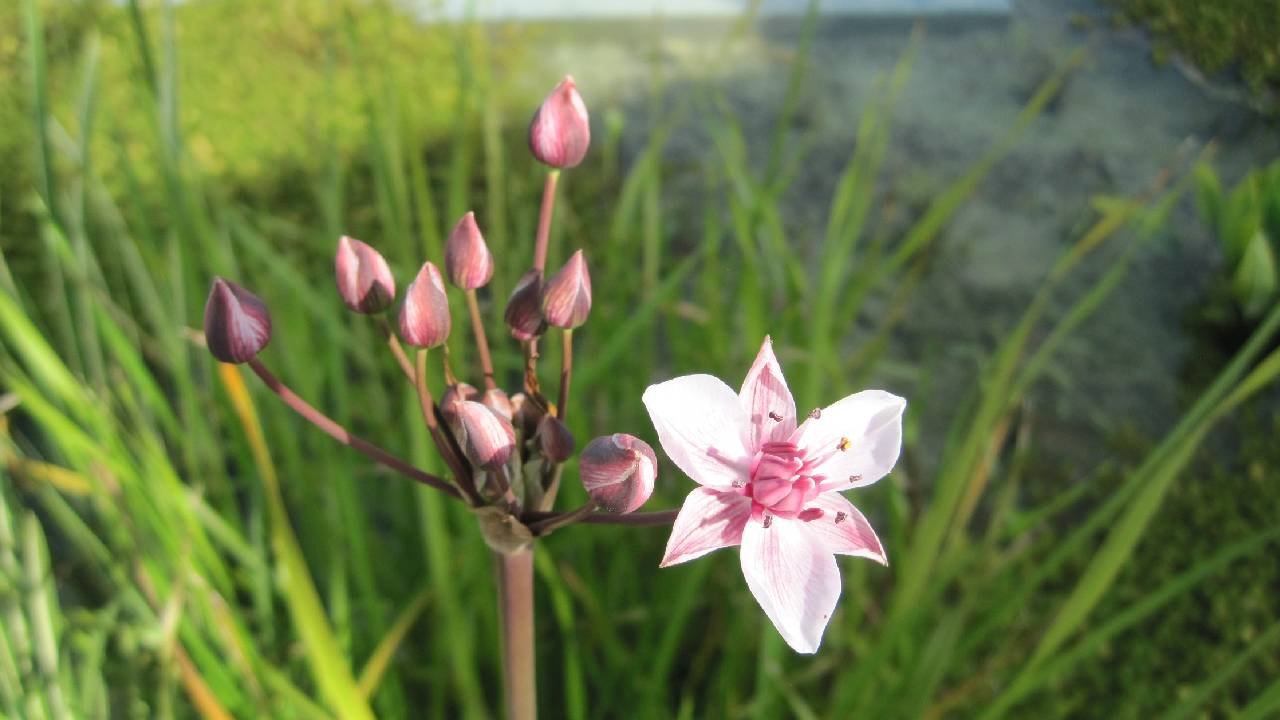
(524, 308)
(237, 324)
(467, 259)
(364, 280)
(486, 437)
(618, 472)
(566, 301)
(560, 132)
(424, 318)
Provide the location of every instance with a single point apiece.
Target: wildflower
(424, 318)
(566, 300)
(364, 280)
(774, 488)
(486, 437)
(560, 133)
(618, 472)
(524, 308)
(467, 259)
(237, 324)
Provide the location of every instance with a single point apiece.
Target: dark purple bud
(364, 280)
(525, 414)
(560, 132)
(497, 401)
(466, 256)
(424, 317)
(566, 300)
(524, 308)
(554, 439)
(618, 472)
(237, 324)
(486, 437)
(452, 397)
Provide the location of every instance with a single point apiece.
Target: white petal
(794, 578)
(701, 426)
(867, 425)
(767, 401)
(844, 530)
(708, 520)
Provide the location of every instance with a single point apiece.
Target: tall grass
(174, 544)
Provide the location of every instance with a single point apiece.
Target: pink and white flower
(774, 487)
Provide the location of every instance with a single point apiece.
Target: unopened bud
(524, 308)
(452, 397)
(364, 280)
(497, 401)
(566, 300)
(560, 132)
(466, 256)
(237, 324)
(485, 436)
(525, 414)
(618, 472)
(554, 439)
(424, 317)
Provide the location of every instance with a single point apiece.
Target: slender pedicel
(482, 342)
(566, 372)
(397, 349)
(461, 472)
(344, 436)
(657, 517)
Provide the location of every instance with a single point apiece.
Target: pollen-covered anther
(855, 478)
(841, 517)
(843, 445)
(768, 521)
(775, 417)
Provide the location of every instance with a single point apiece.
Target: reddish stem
(394, 343)
(544, 221)
(344, 436)
(640, 519)
(566, 372)
(482, 342)
(515, 603)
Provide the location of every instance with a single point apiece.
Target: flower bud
(467, 259)
(566, 300)
(618, 472)
(554, 439)
(497, 401)
(424, 317)
(364, 280)
(560, 133)
(485, 436)
(237, 324)
(524, 308)
(525, 415)
(452, 397)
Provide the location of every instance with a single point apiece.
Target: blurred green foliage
(1237, 35)
(1246, 222)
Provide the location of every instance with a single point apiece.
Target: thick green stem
(515, 603)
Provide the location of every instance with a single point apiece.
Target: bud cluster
(505, 451)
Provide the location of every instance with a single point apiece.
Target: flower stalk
(515, 604)
(482, 341)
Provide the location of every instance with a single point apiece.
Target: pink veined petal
(844, 530)
(700, 424)
(770, 409)
(854, 442)
(708, 520)
(793, 577)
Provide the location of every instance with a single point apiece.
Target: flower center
(779, 484)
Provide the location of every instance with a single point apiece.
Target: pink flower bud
(618, 472)
(424, 317)
(566, 301)
(237, 324)
(554, 439)
(497, 401)
(560, 133)
(524, 308)
(466, 256)
(485, 436)
(364, 280)
(452, 397)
